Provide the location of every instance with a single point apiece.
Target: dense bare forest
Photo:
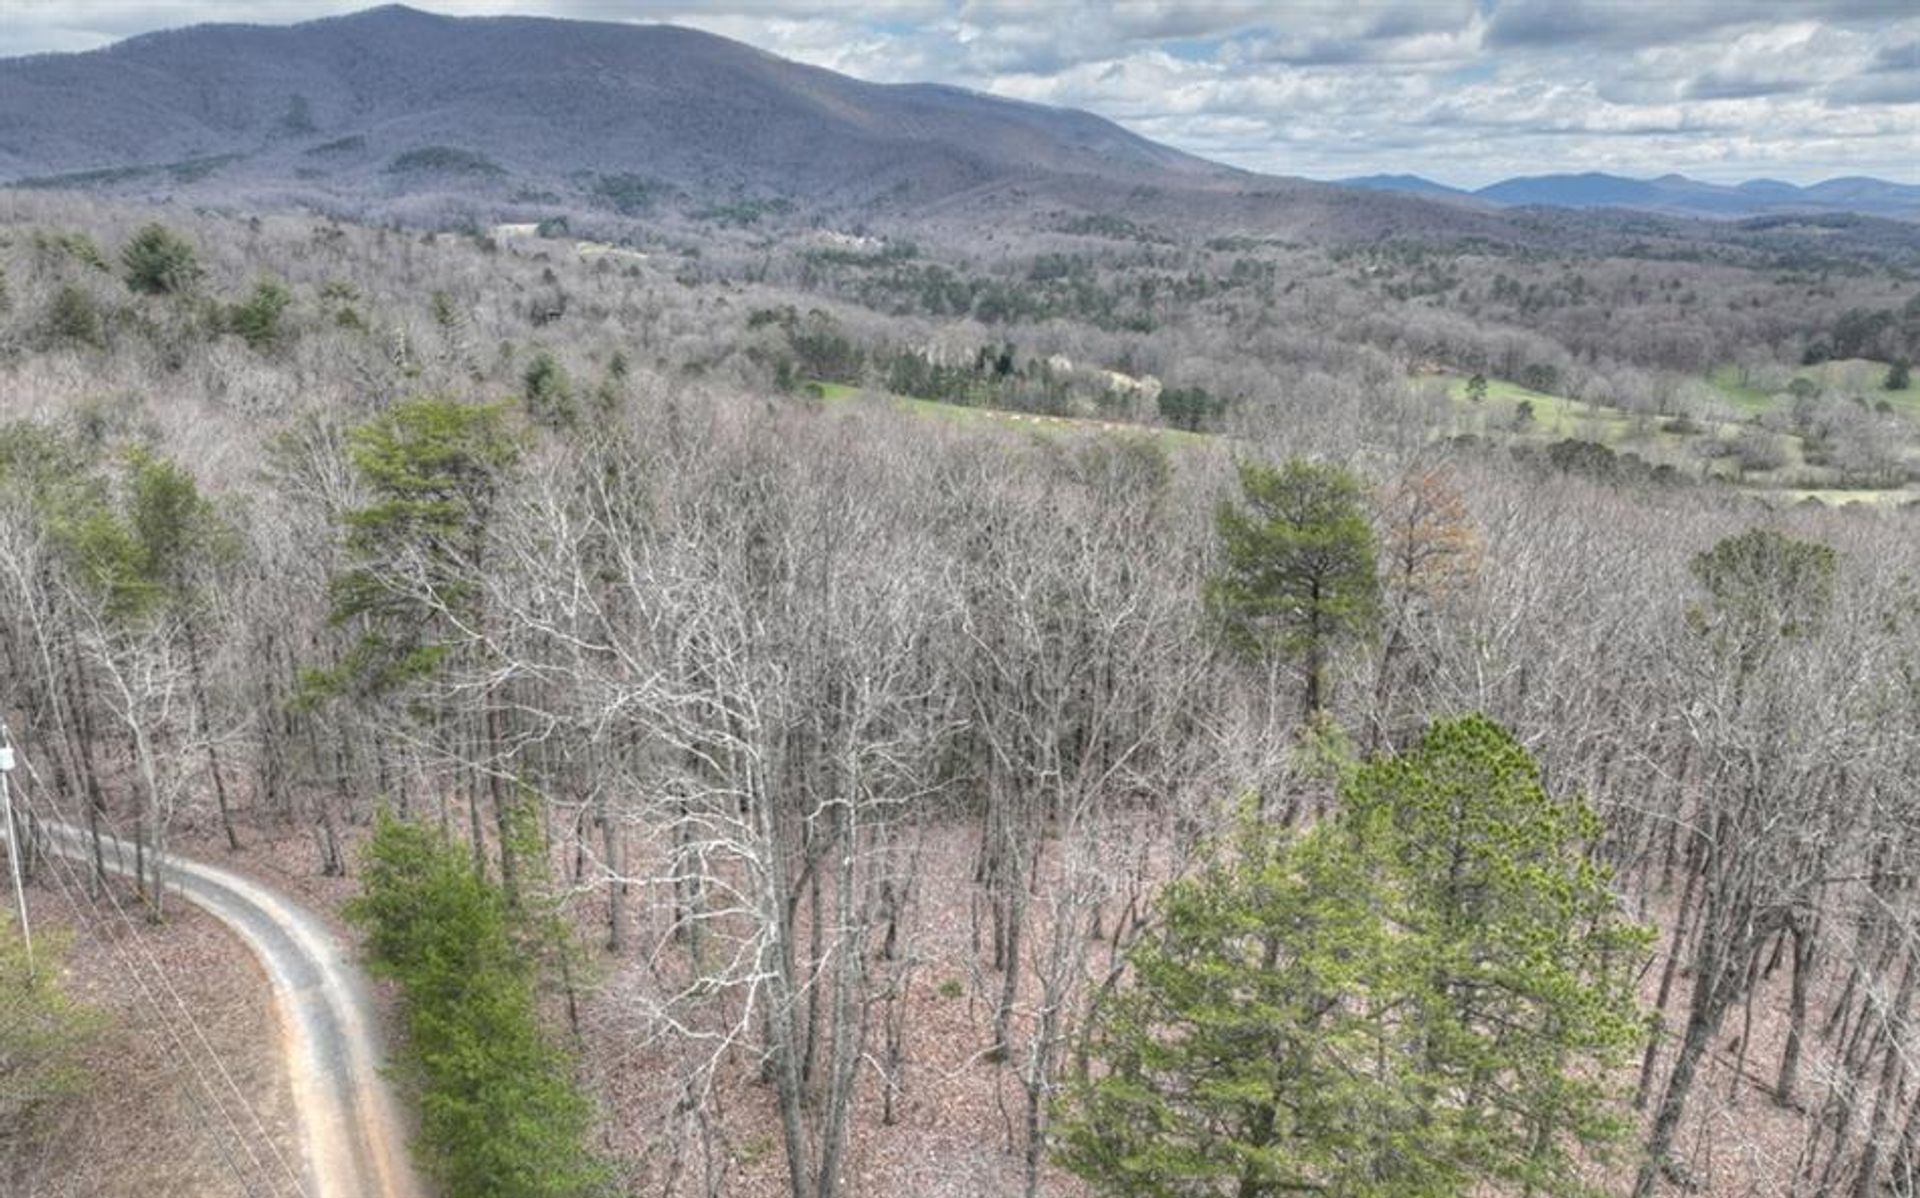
(830, 644)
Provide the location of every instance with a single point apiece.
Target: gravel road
(352, 1137)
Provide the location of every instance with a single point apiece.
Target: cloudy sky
(1465, 91)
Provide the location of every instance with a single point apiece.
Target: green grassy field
(1844, 378)
(841, 393)
(1556, 418)
(1748, 398)
(1653, 439)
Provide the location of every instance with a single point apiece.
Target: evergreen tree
(500, 1115)
(160, 262)
(1298, 575)
(549, 392)
(145, 544)
(1521, 962)
(432, 467)
(1762, 586)
(1420, 997)
(257, 320)
(1240, 1058)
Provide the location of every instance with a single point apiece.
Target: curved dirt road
(352, 1138)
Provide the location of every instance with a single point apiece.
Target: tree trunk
(1804, 940)
(206, 724)
(1867, 1175)
(1702, 1023)
(617, 883)
(500, 789)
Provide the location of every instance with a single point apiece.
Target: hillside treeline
(757, 670)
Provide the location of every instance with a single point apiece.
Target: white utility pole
(13, 841)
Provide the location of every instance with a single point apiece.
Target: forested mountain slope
(395, 99)
(397, 112)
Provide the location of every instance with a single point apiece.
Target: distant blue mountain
(1675, 194)
(1591, 190)
(1772, 189)
(1410, 184)
(1858, 190)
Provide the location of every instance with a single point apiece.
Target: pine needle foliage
(1422, 996)
(431, 468)
(160, 262)
(501, 1116)
(1298, 575)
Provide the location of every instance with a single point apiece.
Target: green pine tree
(549, 392)
(1762, 587)
(160, 262)
(432, 468)
(1298, 572)
(257, 320)
(1420, 997)
(501, 1116)
(1520, 957)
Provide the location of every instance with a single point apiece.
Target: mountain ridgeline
(1674, 194)
(397, 114)
(396, 100)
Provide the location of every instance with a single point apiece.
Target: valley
(819, 638)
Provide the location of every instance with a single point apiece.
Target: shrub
(1539, 376)
(160, 262)
(1590, 458)
(74, 317)
(77, 246)
(257, 321)
(549, 392)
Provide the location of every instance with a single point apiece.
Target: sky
(1463, 91)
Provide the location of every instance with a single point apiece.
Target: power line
(69, 884)
(175, 1046)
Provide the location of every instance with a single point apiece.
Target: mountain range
(1674, 194)
(400, 113)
